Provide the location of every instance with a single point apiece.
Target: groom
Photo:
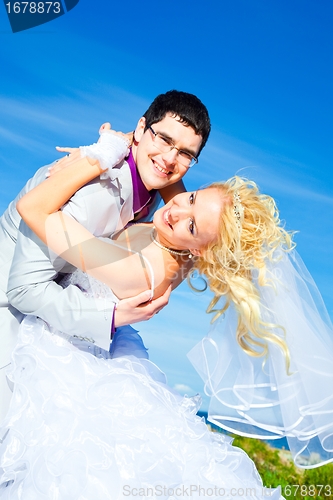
(177, 120)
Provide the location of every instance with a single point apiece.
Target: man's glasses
(165, 145)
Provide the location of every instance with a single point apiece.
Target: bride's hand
(140, 308)
(73, 154)
(129, 136)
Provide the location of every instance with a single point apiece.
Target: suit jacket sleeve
(32, 290)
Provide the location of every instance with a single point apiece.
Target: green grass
(276, 468)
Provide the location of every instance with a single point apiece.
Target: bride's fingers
(106, 129)
(72, 156)
(65, 149)
(129, 136)
(105, 126)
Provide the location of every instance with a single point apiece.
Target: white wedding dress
(86, 424)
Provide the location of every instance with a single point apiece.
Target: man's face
(158, 170)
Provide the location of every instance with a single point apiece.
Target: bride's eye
(191, 226)
(191, 198)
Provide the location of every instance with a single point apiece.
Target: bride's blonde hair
(249, 232)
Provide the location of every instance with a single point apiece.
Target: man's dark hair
(187, 107)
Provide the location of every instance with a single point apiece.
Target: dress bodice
(126, 340)
(95, 288)
(89, 286)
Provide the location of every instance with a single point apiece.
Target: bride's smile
(190, 220)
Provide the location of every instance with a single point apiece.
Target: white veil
(256, 399)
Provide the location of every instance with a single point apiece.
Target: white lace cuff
(110, 150)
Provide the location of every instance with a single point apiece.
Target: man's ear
(139, 130)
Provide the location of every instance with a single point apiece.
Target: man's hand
(140, 308)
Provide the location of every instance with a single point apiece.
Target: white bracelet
(109, 150)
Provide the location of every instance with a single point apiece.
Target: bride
(106, 426)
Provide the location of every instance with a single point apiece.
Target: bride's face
(190, 220)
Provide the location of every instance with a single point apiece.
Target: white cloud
(20, 140)
(184, 389)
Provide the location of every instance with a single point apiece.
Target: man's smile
(161, 169)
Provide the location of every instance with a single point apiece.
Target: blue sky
(262, 67)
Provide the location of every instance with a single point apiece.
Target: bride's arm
(125, 272)
(118, 267)
(49, 196)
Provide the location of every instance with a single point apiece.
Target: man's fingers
(156, 305)
(163, 299)
(167, 293)
(140, 299)
(140, 307)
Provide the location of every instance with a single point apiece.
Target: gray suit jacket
(102, 206)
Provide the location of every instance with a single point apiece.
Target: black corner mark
(24, 15)
(70, 4)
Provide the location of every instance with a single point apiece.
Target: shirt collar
(141, 195)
